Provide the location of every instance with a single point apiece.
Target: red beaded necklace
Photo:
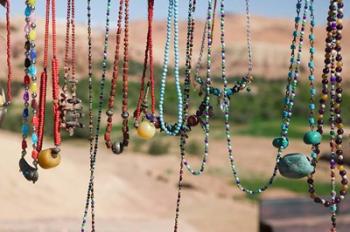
(70, 104)
(146, 128)
(49, 158)
(5, 99)
(118, 147)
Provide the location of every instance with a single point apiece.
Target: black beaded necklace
(94, 137)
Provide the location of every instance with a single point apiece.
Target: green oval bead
(312, 137)
(295, 166)
(280, 142)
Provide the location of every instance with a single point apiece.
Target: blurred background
(137, 190)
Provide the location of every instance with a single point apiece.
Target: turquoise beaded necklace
(282, 142)
(173, 12)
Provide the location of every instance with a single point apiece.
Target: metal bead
(125, 115)
(117, 148)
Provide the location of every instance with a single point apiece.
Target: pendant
(3, 106)
(117, 148)
(49, 158)
(295, 166)
(71, 113)
(29, 172)
(146, 130)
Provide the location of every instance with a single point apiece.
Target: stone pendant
(295, 166)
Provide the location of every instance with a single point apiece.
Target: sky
(271, 8)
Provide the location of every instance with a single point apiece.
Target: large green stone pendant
(295, 166)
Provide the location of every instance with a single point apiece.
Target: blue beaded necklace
(173, 11)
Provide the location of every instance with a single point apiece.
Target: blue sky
(272, 8)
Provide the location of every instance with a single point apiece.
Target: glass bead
(25, 113)
(27, 11)
(25, 129)
(32, 70)
(33, 87)
(34, 138)
(31, 3)
(32, 35)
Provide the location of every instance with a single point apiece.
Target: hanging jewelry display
(6, 98)
(146, 122)
(280, 143)
(94, 137)
(30, 90)
(118, 146)
(331, 94)
(173, 13)
(70, 104)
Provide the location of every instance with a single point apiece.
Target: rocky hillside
(271, 40)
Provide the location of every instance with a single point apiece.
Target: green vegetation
(158, 147)
(256, 113)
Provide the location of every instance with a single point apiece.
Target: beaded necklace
(300, 161)
(146, 126)
(332, 73)
(239, 85)
(94, 137)
(118, 147)
(5, 99)
(30, 88)
(205, 108)
(49, 158)
(173, 130)
(70, 104)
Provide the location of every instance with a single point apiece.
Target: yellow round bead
(32, 35)
(146, 130)
(2, 101)
(33, 87)
(31, 2)
(341, 168)
(47, 159)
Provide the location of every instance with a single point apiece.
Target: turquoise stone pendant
(295, 166)
(312, 137)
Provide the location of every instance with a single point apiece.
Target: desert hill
(271, 41)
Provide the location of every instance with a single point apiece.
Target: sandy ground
(134, 192)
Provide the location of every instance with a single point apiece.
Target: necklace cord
(148, 55)
(8, 53)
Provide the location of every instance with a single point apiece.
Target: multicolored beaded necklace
(146, 122)
(30, 88)
(332, 93)
(173, 13)
(118, 146)
(70, 104)
(94, 137)
(6, 98)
